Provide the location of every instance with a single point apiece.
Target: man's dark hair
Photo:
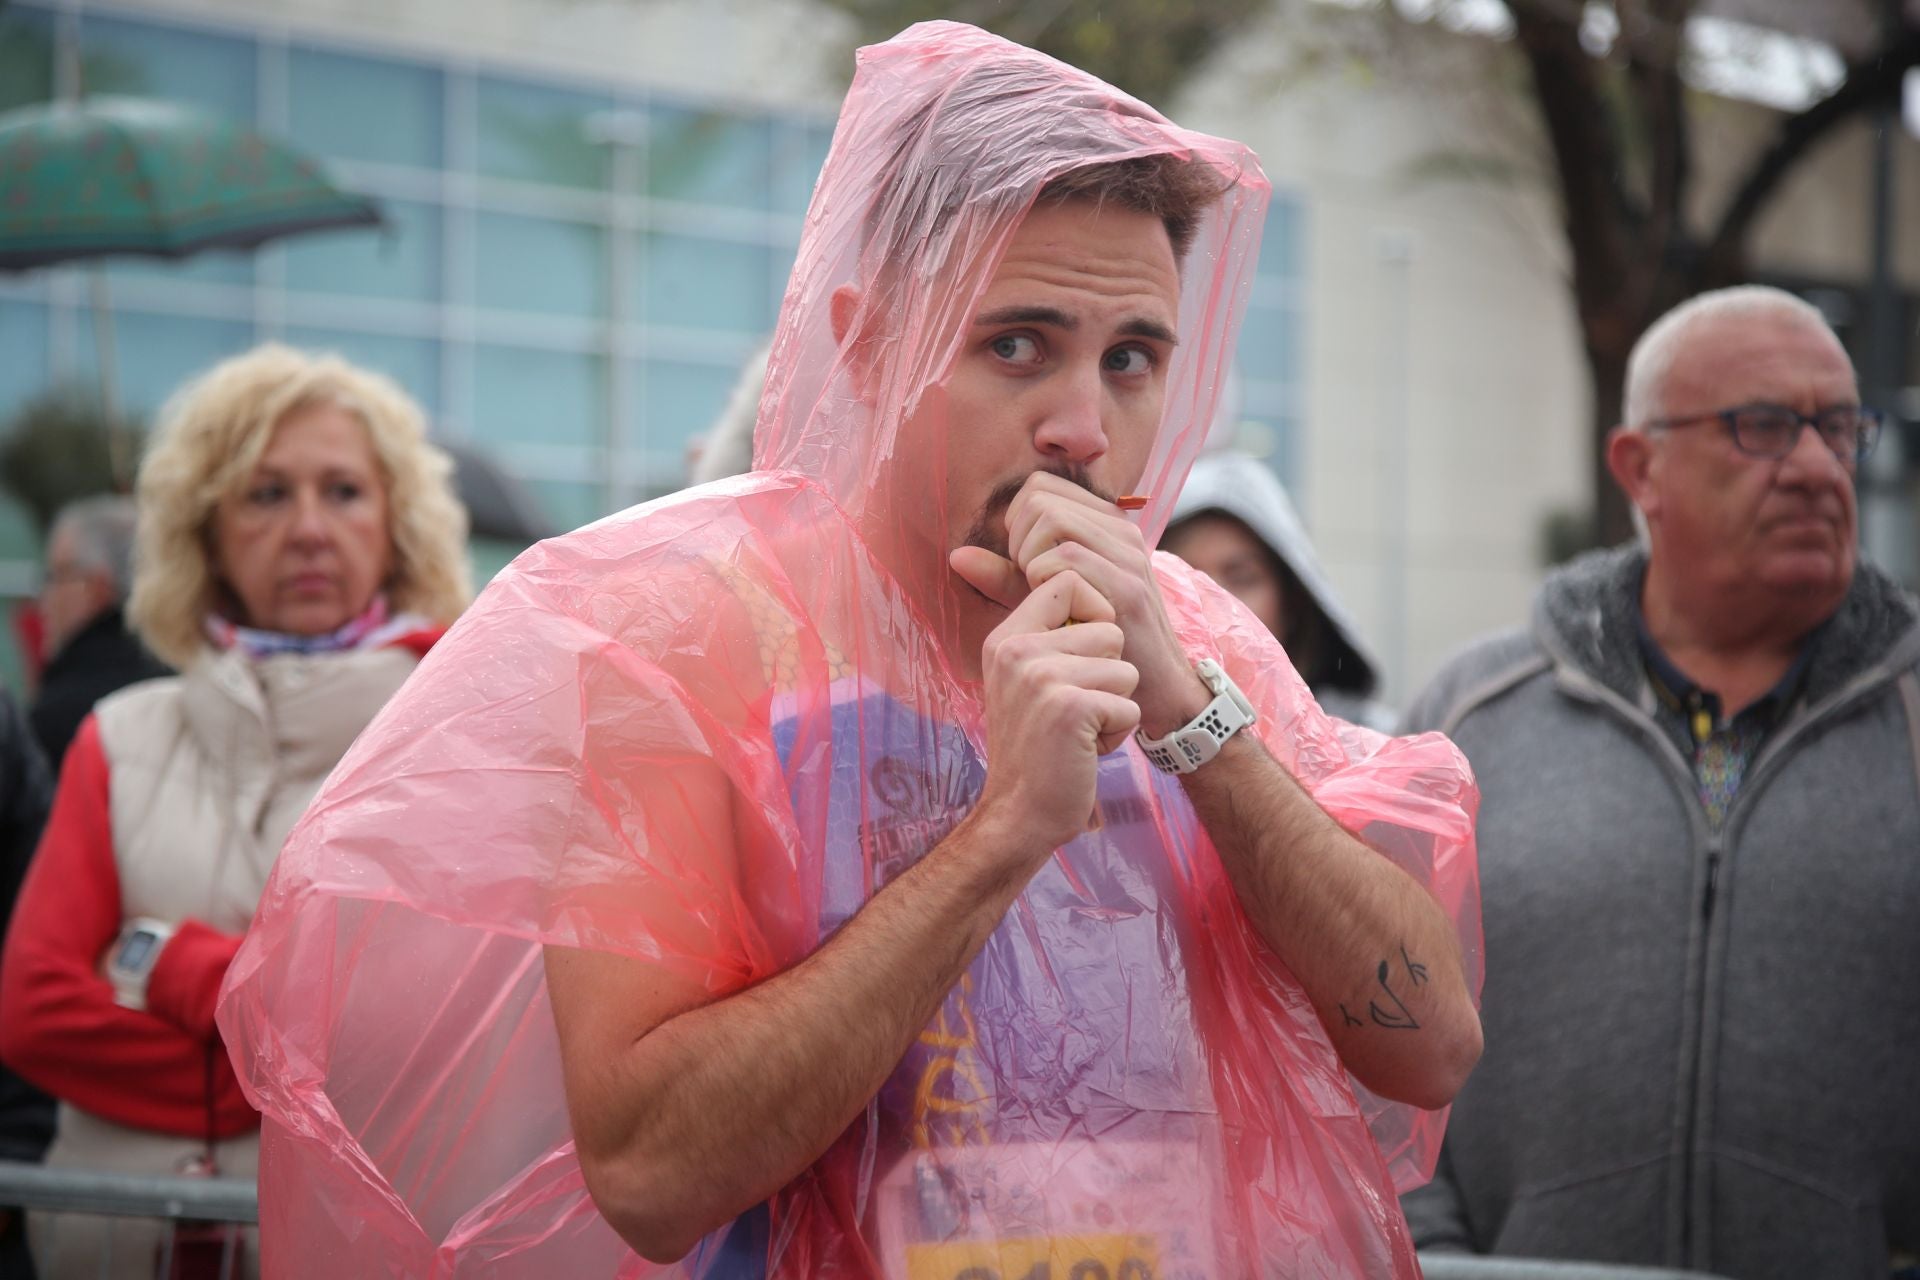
(947, 155)
(1173, 188)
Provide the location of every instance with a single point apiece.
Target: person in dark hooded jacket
(1234, 523)
(26, 1114)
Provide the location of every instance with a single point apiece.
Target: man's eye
(1019, 348)
(1129, 360)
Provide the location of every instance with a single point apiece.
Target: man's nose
(1071, 428)
(1812, 461)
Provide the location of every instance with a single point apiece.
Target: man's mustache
(989, 529)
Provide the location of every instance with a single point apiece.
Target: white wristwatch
(130, 961)
(1200, 740)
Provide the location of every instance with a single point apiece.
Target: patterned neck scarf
(373, 627)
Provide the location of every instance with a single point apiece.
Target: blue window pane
(1283, 450)
(1269, 348)
(680, 401)
(523, 396)
(216, 266)
(365, 109)
(796, 165)
(19, 540)
(536, 134)
(1270, 428)
(212, 72)
(539, 264)
(569, 504)
(154, 354)
(1280, 240)
(695, 283)
(24, 369)
(412, 362)
(486, 557)
(400, 261)
(710, 157)
(783, 259)
(26, 57)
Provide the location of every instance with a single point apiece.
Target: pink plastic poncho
(1126, 1083)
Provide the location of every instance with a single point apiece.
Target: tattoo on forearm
(1394, 1015)
(1415, 970)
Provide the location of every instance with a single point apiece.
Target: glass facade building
(572, 272)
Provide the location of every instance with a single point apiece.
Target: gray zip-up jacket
(1702, 1047)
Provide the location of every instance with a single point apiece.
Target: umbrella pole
(104, 362)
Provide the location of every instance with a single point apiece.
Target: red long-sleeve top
(59, 1025)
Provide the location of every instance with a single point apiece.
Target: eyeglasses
(1772, 430)
(59, 575)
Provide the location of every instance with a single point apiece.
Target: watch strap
(1201, 738)
(129, 981)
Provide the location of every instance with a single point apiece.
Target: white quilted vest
(208, 772)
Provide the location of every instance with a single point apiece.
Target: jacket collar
(103, 639)
(1587, 616)
(294, 714)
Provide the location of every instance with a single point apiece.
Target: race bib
(1079, 1210)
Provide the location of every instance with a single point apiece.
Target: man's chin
(1809, 571)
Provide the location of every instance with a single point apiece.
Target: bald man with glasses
(1700, 846)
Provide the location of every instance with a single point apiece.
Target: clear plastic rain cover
(1126, 1084)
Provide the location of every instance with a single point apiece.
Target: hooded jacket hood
(1243, 487)
(1585, 615)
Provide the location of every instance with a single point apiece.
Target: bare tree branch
(1652, 32)
(1589, 160)
(1871, 81)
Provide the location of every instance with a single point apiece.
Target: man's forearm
(727, 1103)
(1373, 950)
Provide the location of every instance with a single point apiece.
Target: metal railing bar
(31, 1186)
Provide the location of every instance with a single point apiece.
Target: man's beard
(990, 526)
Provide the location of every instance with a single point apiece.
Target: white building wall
(1445, 391)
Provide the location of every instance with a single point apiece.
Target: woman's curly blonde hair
(211, 435)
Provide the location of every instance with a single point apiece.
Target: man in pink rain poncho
(774, 880)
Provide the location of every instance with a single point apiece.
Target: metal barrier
(1466, 1266)
(236, 1201)
(228, 1204)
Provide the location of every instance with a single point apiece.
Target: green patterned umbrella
(133, 176)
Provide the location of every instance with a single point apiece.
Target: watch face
(136, 951)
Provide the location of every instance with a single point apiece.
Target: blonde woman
(299, 550)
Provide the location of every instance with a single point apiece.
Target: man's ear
(841, 309)
(1630, 458)
(844, 312)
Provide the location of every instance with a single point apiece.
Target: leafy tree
(60, 447)
(1147, 47)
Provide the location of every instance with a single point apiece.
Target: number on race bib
(1041, 1258)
